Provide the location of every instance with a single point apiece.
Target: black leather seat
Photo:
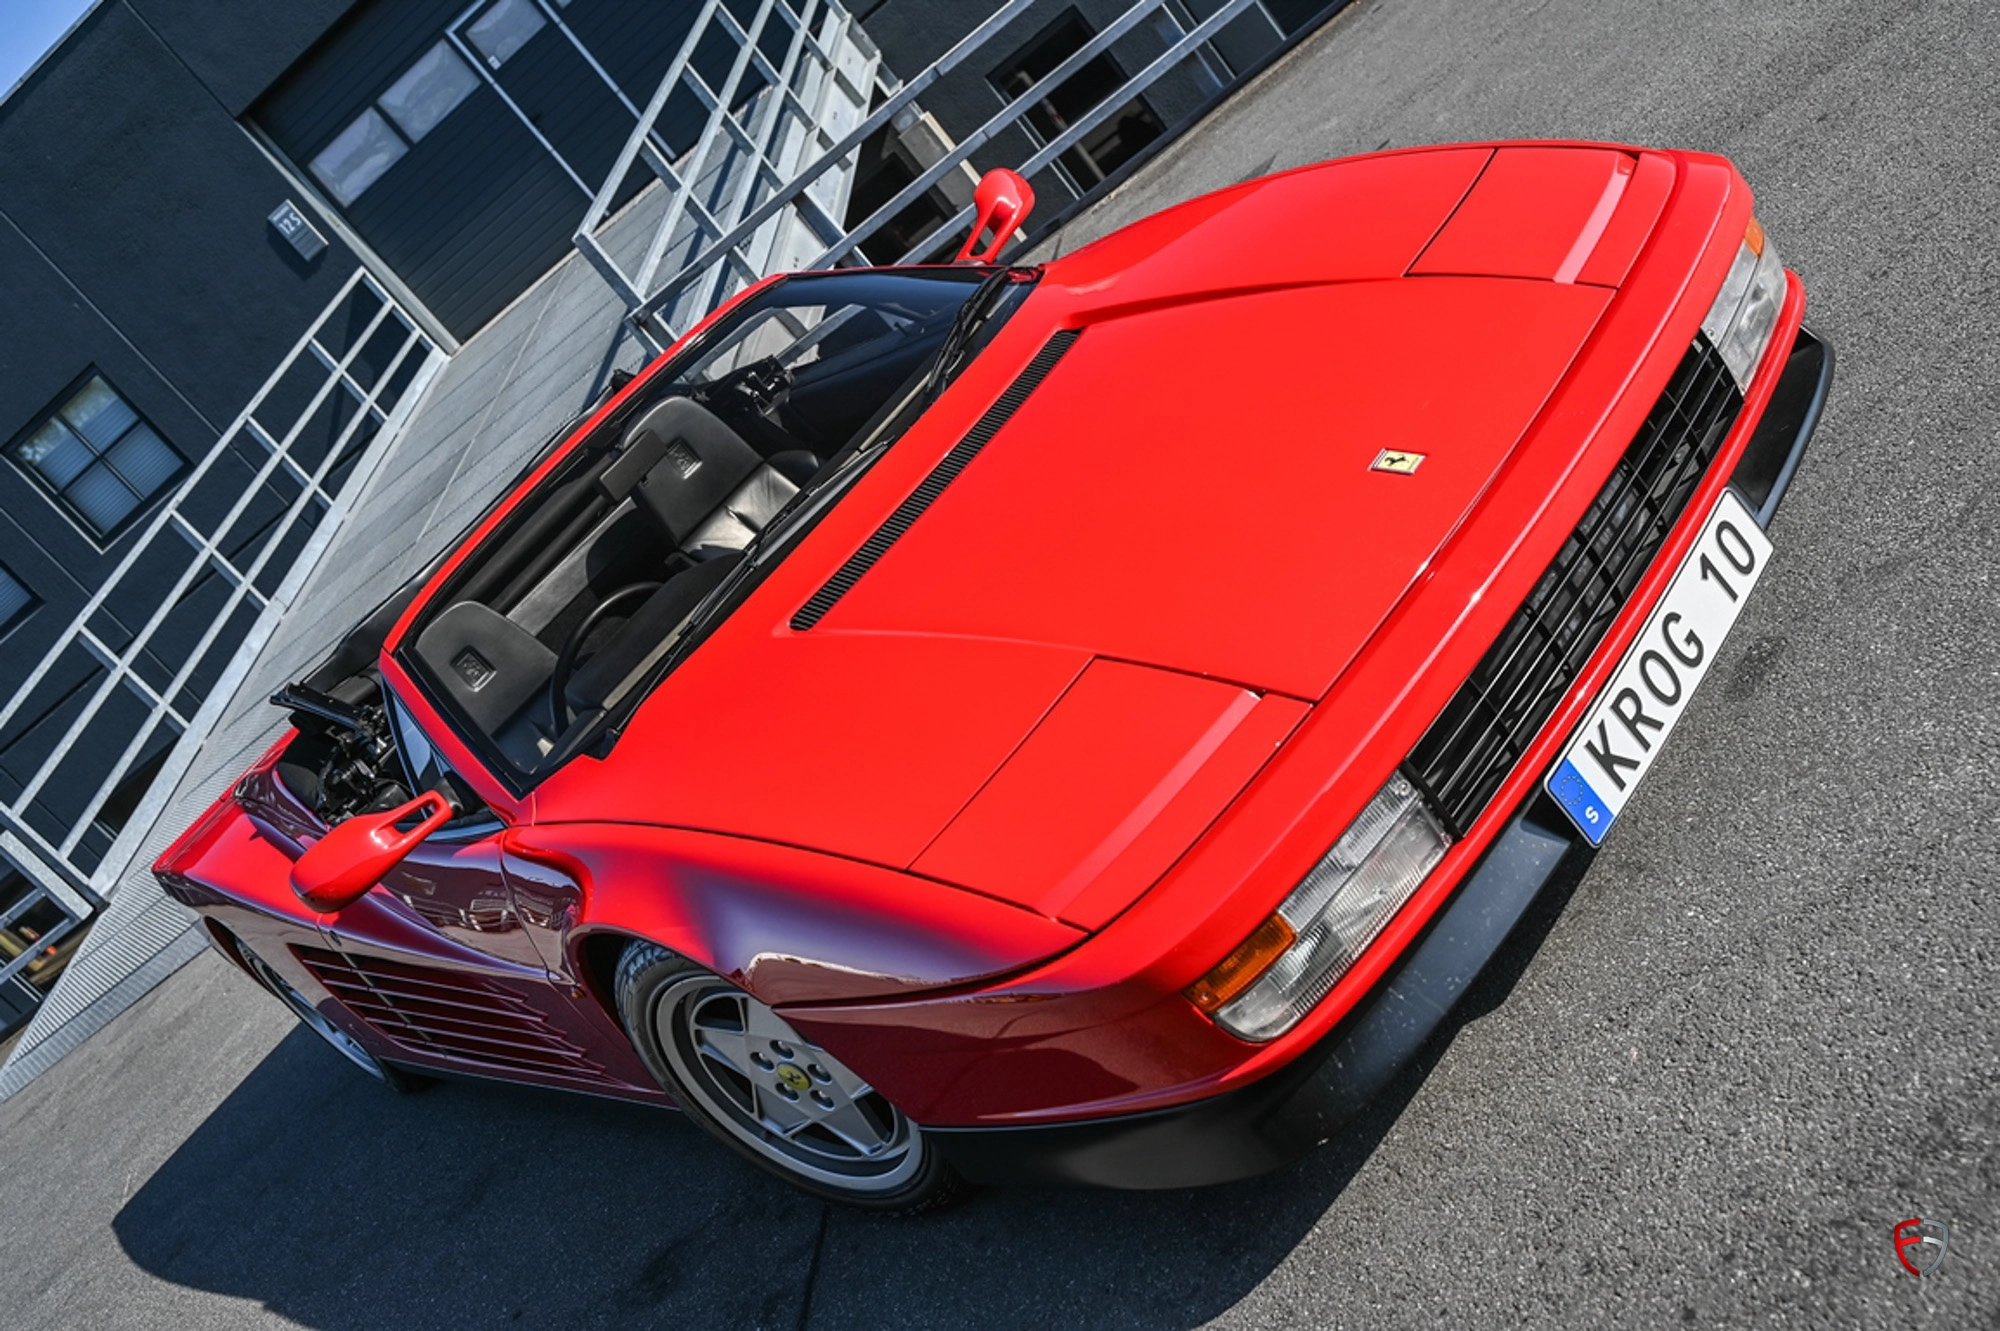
(595, 681)
(488, 664)
(706, 489)
(709, 493)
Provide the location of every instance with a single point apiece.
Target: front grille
(433, 1011)
(1489, 723)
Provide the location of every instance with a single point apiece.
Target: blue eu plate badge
(1626, 727)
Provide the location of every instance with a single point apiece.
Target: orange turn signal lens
(1240, 969)
(1754, 237)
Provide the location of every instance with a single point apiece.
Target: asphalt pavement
(1753, 1034)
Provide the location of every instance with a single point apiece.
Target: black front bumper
(1275, 1120)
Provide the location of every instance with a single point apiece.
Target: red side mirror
(353, 856)
(1004, 199)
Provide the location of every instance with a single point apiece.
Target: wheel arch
(786, 924)
(596, 957)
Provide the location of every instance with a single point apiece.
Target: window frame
(497, 60)
(101, 538)
(27, 608)
(395, 126)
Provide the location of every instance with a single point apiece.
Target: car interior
(600, 574)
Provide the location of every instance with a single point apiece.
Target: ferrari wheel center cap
(795, 1077)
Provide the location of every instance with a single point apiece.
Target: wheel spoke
(729, 1048)
(780, 1115)
(847, 1122)
(849, 1085)
(762, 1023)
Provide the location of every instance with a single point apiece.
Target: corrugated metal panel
(636, 44)
(357, 59)
(479, 207)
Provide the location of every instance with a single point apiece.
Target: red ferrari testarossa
(1085, 722)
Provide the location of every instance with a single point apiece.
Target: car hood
(1214, 487)
(1059, 673)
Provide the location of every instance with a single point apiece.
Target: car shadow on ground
(340, 1205)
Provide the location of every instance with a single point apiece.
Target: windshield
(627, 554)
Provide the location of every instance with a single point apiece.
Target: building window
(358, 156)
(430, 91)
(1104, 149)
(412, 107)
(99, 458)
(882, 171)
(504, 29)
(16, 601)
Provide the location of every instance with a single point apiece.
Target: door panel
(472, 214)
(551, 85)
(455, 887)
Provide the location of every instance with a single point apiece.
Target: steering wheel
(761, 381)
(566, 658)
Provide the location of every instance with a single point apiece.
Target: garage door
(464, 142)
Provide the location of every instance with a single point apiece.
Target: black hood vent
(934, 484)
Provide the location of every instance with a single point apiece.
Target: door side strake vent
(933, 485)
(429, 1010)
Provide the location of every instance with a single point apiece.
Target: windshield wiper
(964, 325)
(969, 318)
(815, 499)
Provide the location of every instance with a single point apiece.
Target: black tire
(674, 1011)
(399, 1080)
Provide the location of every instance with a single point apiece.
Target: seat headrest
(487, 663)
(699, 432)
(697, 463)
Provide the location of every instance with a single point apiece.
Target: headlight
(1739, 324)
(1292, 960)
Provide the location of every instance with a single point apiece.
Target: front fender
(789, 925)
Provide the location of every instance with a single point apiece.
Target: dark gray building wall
(53, 337)
(153, 208)
(57, 336)
(238, 48)
(134, 243)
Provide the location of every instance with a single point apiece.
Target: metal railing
(749, 147)
(375, 377)
(730, 245)
(47, 887)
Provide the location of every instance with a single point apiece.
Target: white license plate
(1631, 719)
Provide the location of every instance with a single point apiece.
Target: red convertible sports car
(1085, 722)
